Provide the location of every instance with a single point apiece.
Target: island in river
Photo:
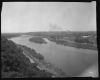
(38, 40)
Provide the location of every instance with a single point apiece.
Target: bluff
(14, 64)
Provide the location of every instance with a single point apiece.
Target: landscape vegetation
(38, 40)
(14, 64)
(85, 40)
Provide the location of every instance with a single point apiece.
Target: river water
(74, 62)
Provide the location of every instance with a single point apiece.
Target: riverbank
(14, 64)
(73, 44)
(70, 60)
(43, 65)
(39, 39)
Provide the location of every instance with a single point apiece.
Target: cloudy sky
(48, 16)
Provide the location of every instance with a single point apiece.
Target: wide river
(74, 62)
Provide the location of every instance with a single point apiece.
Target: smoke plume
(54, 27)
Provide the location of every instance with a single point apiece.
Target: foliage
(16, 65)
(81, 40)
(38, 40)
(33, 53)
(78, 43)
(10, 35)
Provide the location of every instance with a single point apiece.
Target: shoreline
(43, 65)
(75, 45)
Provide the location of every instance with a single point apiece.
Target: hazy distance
(48, 16)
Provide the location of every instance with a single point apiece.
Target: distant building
(85, 36)
(25, 35)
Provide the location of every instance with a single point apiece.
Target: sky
(48, 16)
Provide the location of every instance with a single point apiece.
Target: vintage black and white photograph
(49, 40)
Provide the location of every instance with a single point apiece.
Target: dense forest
(16, 65)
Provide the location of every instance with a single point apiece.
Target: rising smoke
(54, 27)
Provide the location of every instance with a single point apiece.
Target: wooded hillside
(16, 65)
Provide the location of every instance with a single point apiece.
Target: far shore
(76, 45)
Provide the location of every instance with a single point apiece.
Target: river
(73, 61)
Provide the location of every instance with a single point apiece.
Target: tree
(14, 64)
